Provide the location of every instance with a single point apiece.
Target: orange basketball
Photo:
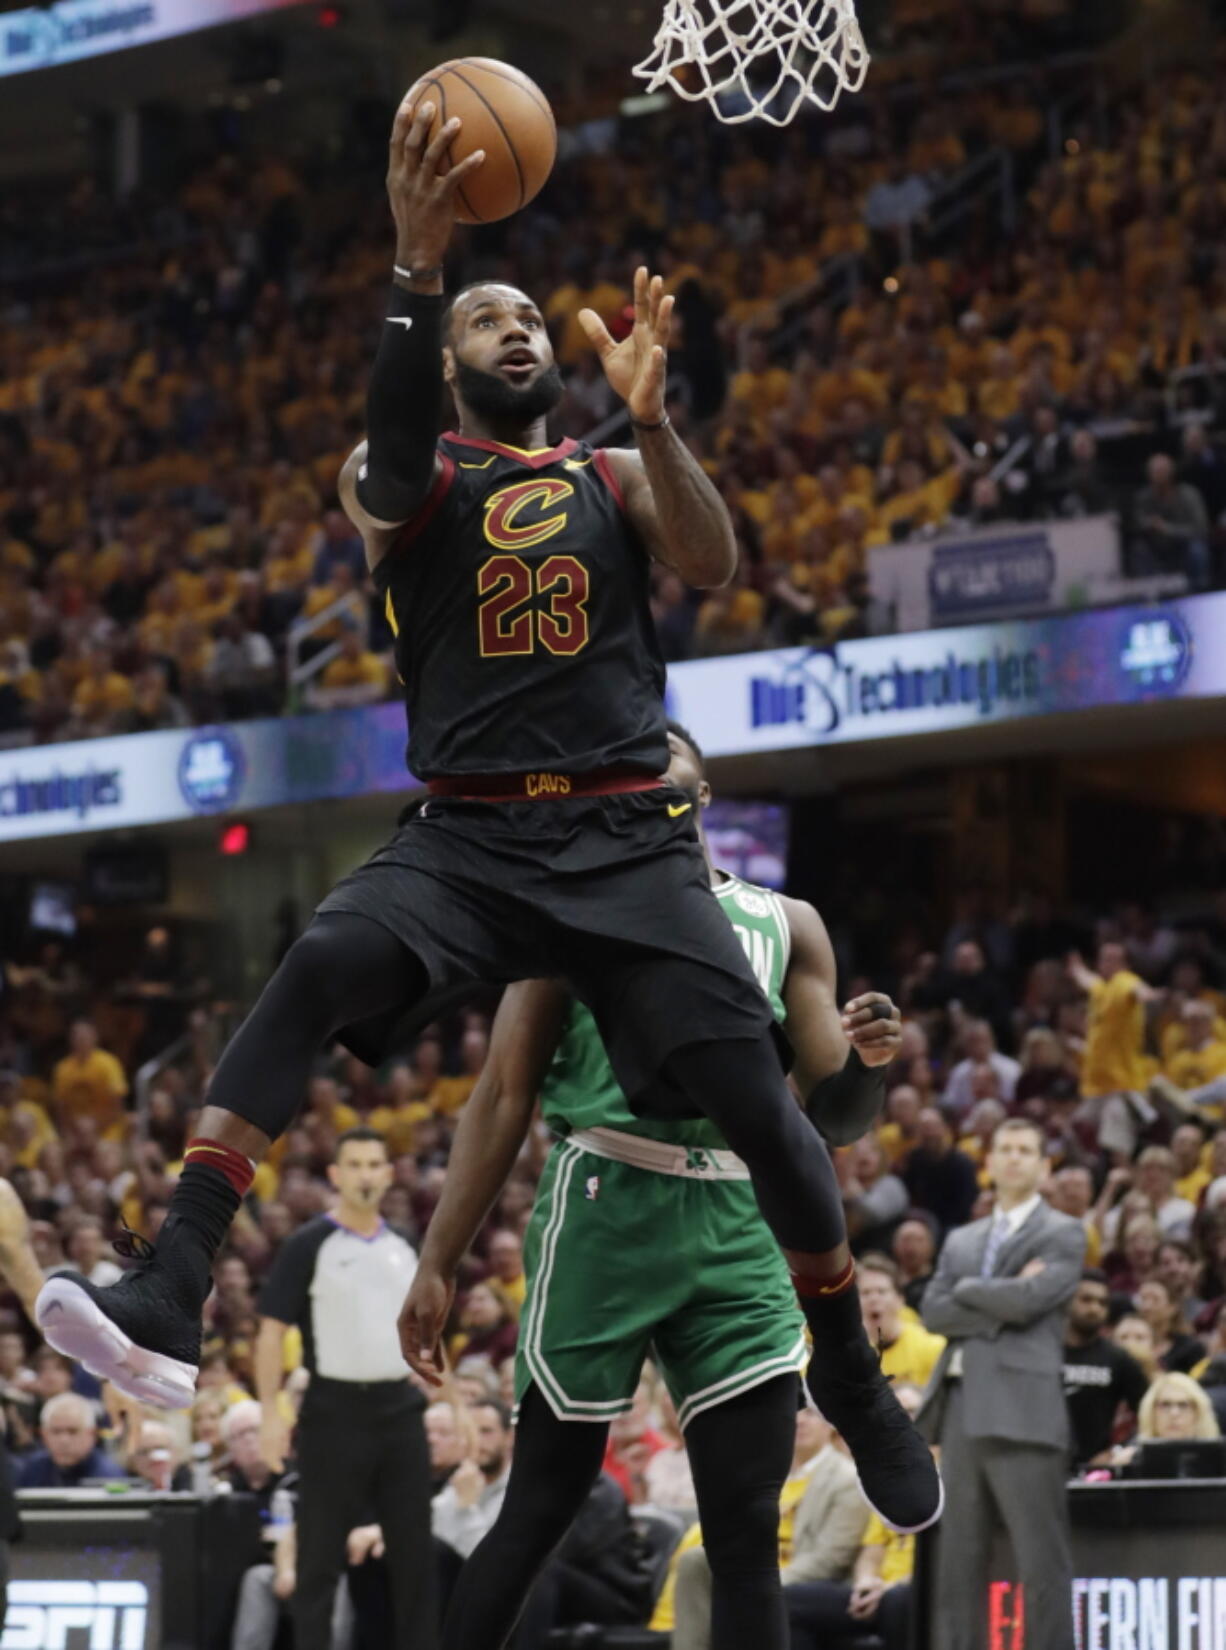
(504, 113)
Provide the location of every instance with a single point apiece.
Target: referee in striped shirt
(361, 1443)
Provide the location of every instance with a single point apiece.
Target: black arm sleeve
(286, 1293)
(845, 1107)
(404, 405)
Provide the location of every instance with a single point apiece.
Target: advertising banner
(880, 688)
(937, 680)
(148, 778)
(43, 37)
(998, 573)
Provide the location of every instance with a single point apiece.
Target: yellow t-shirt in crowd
(1114, 1054)
(92, 1087)
(913, 1356)
(102, 696)
(397, 1124)
(899, 1560)
(1192, 1068)
(890, 1139)
(451, 1093)
(514, 1293)
(1192, 1185)
(366, 668)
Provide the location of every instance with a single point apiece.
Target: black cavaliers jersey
(519, 600)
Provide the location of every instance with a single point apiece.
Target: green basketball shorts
(625, 1263)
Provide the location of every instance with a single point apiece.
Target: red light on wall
(234, 839)
(328, 17)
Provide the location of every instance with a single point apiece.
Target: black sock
(834, 1319)
(204, 1204)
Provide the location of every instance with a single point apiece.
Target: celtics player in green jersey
(646, 1237)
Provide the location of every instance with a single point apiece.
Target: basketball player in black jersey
(516, 578)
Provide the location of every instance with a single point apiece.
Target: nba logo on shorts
(591, 1187)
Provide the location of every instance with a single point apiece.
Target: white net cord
(758, 59)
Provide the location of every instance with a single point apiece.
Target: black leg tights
(341, 969)
(740, 1086)
(554, 1465)
(740, 1453)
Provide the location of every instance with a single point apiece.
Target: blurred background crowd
(928, 312)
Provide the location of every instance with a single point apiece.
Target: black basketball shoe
(898, 1477)
(138, 1333)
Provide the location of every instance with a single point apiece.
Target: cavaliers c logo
(541, 500)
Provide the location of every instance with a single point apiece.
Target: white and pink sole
(75, 1326)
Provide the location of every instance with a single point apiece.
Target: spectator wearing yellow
(843, 232)
(404, 1108)
(450, 1094)
(505, 1253)
(909, 1352)
(158, 628)
(1071, 1190)
(920, 501)
(760, 386)
(1203, 1055)
(217, 594)
(844, 381)
(730, 619)
(355, 677)
(89, 1081)
(1113, 1065)
(324, 1102)
(1189, 1150)
(342, 586)
(290, 563)
(585, 289)
(102, 695)
(900, 1131)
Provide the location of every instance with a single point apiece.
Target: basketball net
(757, 59)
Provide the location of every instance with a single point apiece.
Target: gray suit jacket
(1010, 1329)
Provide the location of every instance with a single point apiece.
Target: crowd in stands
(1110, 1035)
(171, 428)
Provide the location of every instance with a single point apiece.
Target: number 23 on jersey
(521, 607)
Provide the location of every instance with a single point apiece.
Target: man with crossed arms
(995, 1403)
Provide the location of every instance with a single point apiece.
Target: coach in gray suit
(995, 1403)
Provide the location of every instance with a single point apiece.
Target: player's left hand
(638, 366)
(873, 1027)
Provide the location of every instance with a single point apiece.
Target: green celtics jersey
(580, 1090)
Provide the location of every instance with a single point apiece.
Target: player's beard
(500, 403)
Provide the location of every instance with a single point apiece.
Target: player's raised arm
(405, 397)
(840, 1056)
(492, 1128)
(669, 496)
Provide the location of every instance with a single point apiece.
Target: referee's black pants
(362, 1458)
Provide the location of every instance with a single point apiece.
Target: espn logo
(76, 1615)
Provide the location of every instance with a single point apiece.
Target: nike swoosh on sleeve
(676, 813)
(405, 321)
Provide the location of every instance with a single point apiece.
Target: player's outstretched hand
(637, 367)
(422, 1320)
(874, 1027)
(423, 197)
